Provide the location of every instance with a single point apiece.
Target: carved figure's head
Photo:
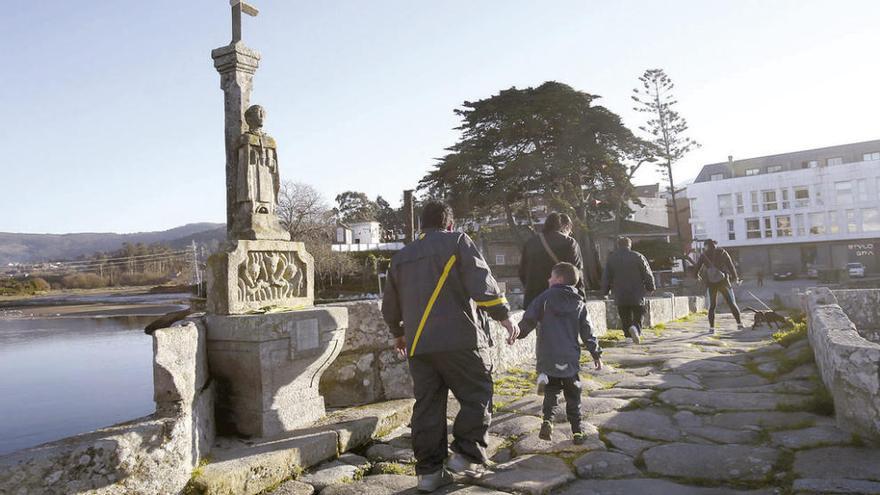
(254, 117)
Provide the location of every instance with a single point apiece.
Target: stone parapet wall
(150, 455)
(848, 363)
(862, 307)
(661, 309)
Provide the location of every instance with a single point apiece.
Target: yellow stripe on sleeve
(493, 302)
(431, 301)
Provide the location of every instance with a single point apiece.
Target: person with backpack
(628, 275)
(545, 250)
(719, 275)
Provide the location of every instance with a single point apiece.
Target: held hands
(512, 331)
(400, 347)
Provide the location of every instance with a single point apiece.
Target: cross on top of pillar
(239, 6)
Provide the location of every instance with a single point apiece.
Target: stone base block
(268, 367)
(247, 276)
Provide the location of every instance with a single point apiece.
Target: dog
(769, 317)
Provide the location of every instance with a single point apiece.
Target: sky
(112, 113)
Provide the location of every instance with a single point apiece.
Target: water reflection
(63, 376)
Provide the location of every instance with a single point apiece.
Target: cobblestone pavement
(685, 412)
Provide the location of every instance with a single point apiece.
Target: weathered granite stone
(838, 462)
(331, 473)
(357, 426)
(716, 462)
(394, 376)
(622, 393)
(381, 484)
(560, 442)
(733, 381)
(808, 486)
(598, 465)
(647, 487)
(514, 425)
(293, 487)
(822, 435)
(728, 401)
(531, 474)
(627, 444)
(646, 423)
(386, 452)
(352, 379)
(658, 382)
(723, 435)
(268, 367)
(766, 419)
(249, 275)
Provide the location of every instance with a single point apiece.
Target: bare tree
(666, 127)
(302, 210)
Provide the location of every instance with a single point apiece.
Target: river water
(60, 376)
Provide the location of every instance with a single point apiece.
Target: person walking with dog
(716, 269)
(545, 250)
(628, 274)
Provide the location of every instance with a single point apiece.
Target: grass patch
(687, 318)
(791, 335)
(394, 468)
(658, 329)
(516, 382)
(611, 338)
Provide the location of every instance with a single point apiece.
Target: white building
(362, 237)
(819, 207)
(654, 209)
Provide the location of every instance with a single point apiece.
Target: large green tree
(665, 126)
(551, 142)
(353, 206)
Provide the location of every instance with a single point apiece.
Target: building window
(768, 227)
(817, 223)
(811, 164)
(739, 203)
(799, 224)
(725, 205)
(769, 198)
(774, 168)
(833, 224)
(870, 219)
(851, 226)
(871, 156)
(755, 204)
(731, 231)
(499, 259)
(692, 204)
(817, 193)
(801, 196)
(835, 161)
(753, 171)
(843, 192)
(753, 228)
(785, 204)
(699, 230)
(783, 226)
(862, 189)
(717, 177)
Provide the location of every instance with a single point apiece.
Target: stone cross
(239, 6)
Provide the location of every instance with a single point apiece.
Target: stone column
(237, 65)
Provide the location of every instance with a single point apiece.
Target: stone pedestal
(247, 276)
(268, 367)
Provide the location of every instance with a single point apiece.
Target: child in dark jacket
(563, 317)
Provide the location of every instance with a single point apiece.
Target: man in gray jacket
(629, 275)
(438, 298)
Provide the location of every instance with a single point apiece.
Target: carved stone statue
(257, 182)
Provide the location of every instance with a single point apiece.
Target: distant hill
(29, 248)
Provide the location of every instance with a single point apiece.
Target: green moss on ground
(791, 335)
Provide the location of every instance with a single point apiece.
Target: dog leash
(760, 301)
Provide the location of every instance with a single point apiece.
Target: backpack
(713, 274)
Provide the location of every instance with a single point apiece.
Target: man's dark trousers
(631, 315)
(468, 374)
(572, 392)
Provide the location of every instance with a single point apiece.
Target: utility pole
(196, 274)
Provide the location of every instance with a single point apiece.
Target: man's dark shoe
(430, 482)
(578, 438)
(546, 430)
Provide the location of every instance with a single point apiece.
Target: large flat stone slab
(711, 462)
(659, 382)
(331, 473)
(627, 444)
(765, 419)
(824, 435)
(839, 462)
(514, 425)
(809, 486)
(532, 474)
(380, 484)
(601, 465)
(645, 423)
(728, 401)
(560, 442)
(647, 487)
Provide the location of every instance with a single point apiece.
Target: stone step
(249, 467)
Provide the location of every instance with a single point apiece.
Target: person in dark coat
(628, 274)
(543, 251)
(438, 297)
(563, 317)
(716, 269)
